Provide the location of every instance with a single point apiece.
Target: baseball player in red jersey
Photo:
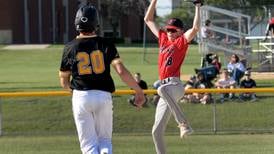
(87, 60)
(173, 45)
(270, 27)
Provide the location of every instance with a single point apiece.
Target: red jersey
(171, 55)
(271, 21)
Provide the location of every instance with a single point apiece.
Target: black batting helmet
(86, 19)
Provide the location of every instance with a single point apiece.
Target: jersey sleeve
(66, 62)
(182, 42)
(112, 51)
(162, 36)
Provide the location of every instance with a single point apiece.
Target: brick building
(52, 21)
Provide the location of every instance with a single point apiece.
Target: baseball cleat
(185, 130)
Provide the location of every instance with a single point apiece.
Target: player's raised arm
(129, 80)
(149, 18)
(191, 33)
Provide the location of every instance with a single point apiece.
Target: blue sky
(163, 7)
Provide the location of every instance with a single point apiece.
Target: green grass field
(133, 144)
(38, 69)
(45, 124)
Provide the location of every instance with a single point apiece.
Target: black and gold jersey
(89, 60)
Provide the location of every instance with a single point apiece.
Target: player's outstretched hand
(139, 99)
(195, 2)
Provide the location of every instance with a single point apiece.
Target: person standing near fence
(270, 28)
(173, 44)
(206, 33)
(85, 71)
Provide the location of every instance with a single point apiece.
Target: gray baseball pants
(171, 91)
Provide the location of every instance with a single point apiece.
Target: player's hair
(225, 70)
(200, 74)
(236, 57)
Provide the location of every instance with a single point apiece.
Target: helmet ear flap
(86, 19)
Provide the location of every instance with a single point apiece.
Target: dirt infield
(254, 75)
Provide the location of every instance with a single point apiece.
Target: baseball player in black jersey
(85, 71)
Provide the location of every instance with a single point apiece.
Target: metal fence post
(214, 116)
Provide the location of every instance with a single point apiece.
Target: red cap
(174, 23)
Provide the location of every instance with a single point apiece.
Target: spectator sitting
(225, 82)
(188, 85)
(236, 68)
(191, 82)
(248, 82)
(156, 97)
(142, 84)
(215, 62)
(210, 67)
(207, 60)
(202, 83)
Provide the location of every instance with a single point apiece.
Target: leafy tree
(254, 8)
(184, 14)
(239, 3)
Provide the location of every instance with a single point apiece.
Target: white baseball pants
(171, 91)
(93, 114)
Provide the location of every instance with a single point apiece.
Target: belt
(167, 80)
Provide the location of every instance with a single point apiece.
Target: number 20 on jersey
(90, 63)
